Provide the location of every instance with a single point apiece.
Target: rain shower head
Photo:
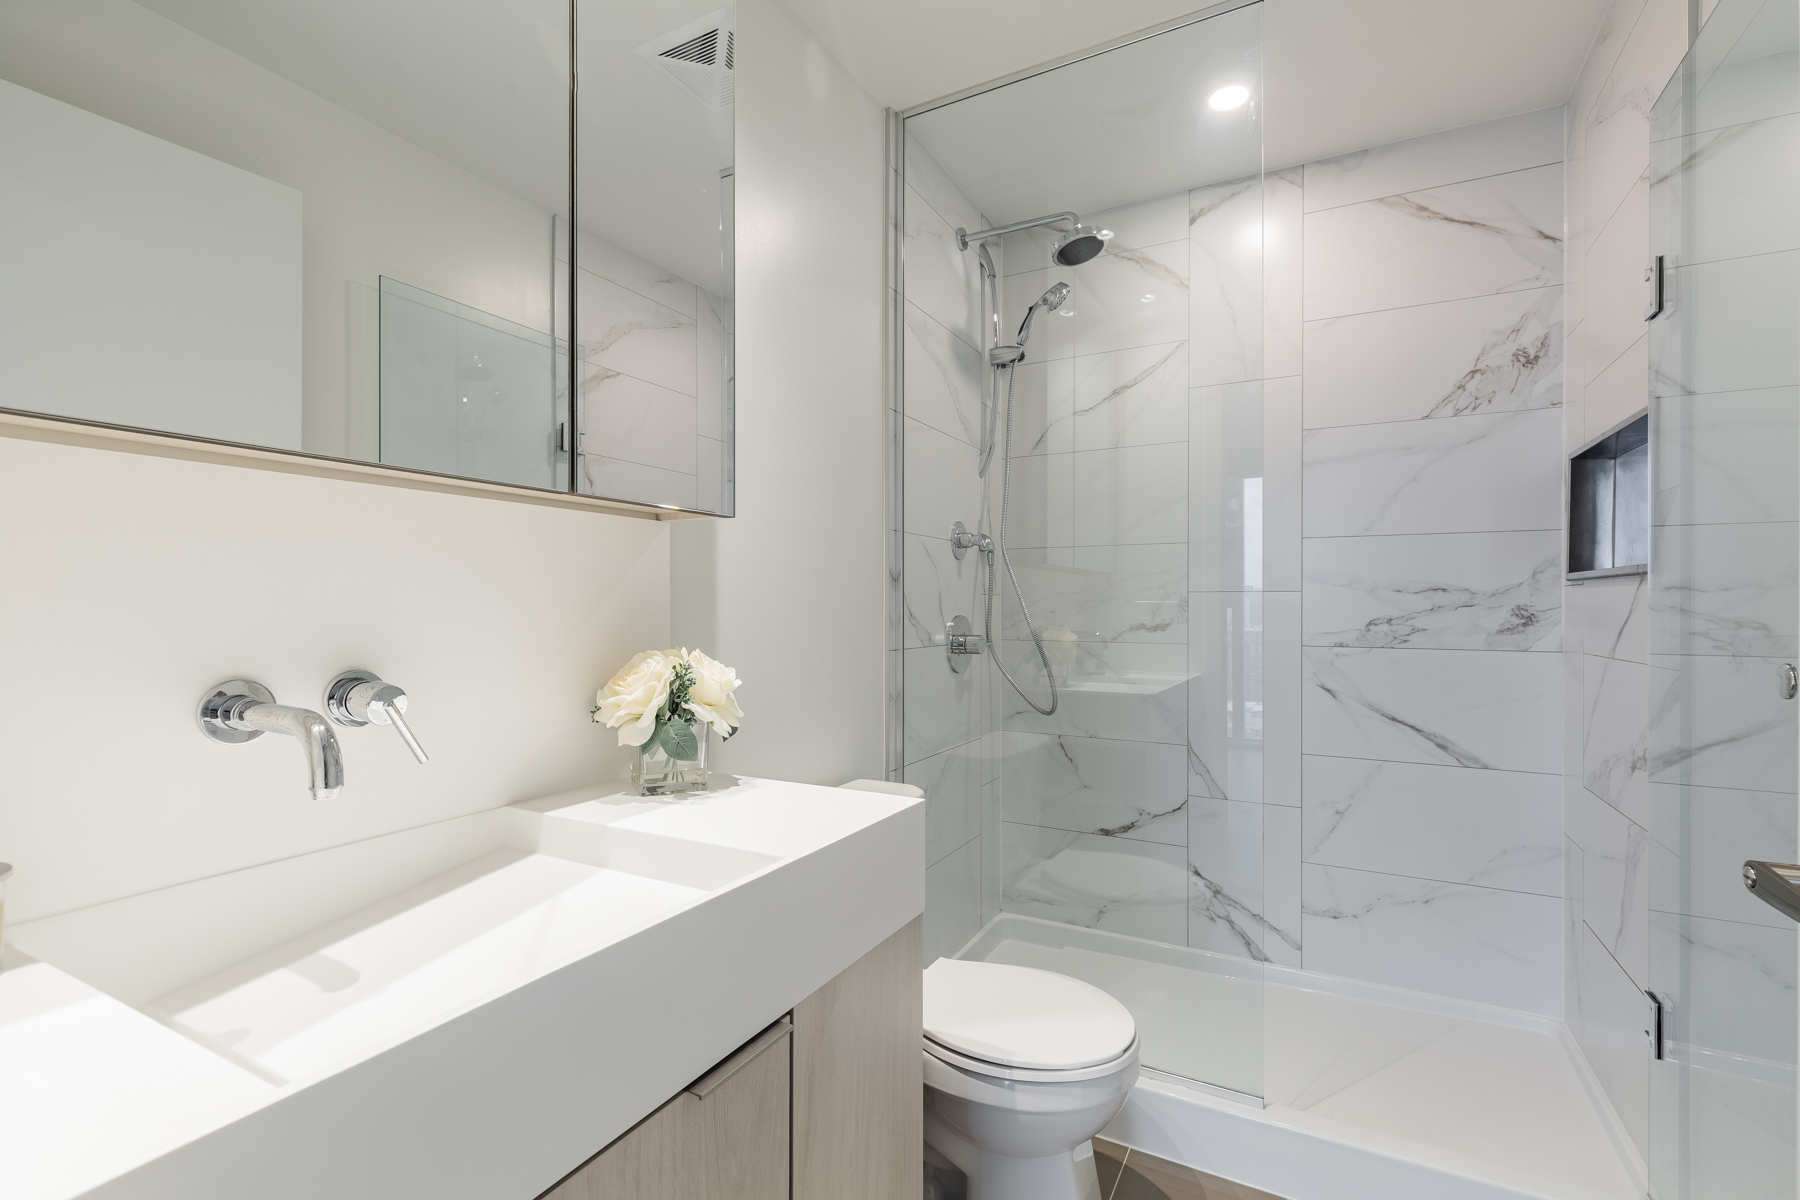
(1073, 249)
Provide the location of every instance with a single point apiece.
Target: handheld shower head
(1050, 300)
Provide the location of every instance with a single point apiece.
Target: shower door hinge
(1656, 1034)
(1656, 275)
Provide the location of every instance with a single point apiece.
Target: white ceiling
(1340, 75)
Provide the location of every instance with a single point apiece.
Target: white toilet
(1022, 1068)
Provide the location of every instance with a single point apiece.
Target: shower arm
(963, 237)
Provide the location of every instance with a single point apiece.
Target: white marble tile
(625, 332)
(894, 739)
(1128, 298)
(1471, 152)
(1132, 495)
(1572, 936)
(1225, 692)
(1225, 315)
(1283, 278)
(1462, 475)
(1615, 708)
(1614, 1015)
(1500, 234)
(1456, 591)
(1733, 189)
(1041, 393)
(939, 586)
(1614, 881)
(1474, 708)
(1727, 589)
(1475, 943)
(1725, 457)
(1618, 394)
(1718, 722)
(952, 902)
(1101, 401)
(1756, 85)
(1282, 884)
(1616, 127)
(1099, 593)
(992, 871)
(1225, 881)
(626, 418)
(1125, 691)
(1112, 884)
(1739, 992)
(1282, 698)
(1135, 790)
(619, 479)
(952, 784)
(1715, 830)
(1480, 355)
(1225, 482)
(711, 366)
(945, 378)
(942, 709)
(941, 484)
(1603, 55)
(1613, 280)
(1152, 222)
(1736, 328)
(655, 283)
(1611, 615)
(935, 186)
(1496, 829)
(710, 486)
(940, 278)
(1281, 484)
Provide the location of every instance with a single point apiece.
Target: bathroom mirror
(342, 229)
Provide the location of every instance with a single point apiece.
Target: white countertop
(469, 1009)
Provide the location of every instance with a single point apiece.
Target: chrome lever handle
(357, 698)
(1775, 884)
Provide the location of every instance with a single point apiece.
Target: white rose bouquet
(657, 697)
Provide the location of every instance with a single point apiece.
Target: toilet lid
(1023, 1017)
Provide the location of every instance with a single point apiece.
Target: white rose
(632, 699)
(711, 700)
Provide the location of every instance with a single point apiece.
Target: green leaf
(678, 740)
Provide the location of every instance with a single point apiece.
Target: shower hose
(988, 626)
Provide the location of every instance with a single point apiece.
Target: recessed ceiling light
(1231, 96)
(1147, 297)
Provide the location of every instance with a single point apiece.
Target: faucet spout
(253, 715)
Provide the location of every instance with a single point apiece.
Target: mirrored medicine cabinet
(393, 232)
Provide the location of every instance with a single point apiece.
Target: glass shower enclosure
(1093, 480)
(1724, 632)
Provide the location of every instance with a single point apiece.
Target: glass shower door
(1725, 241)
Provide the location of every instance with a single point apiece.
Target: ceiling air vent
(698, 56)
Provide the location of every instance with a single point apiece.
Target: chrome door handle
(1775, 884)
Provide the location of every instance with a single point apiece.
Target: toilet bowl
(1022, 1068)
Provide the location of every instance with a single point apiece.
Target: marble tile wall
(1430, 685)
(1606, 783)
(651, 378)
(943, 743)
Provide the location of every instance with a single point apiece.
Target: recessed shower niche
(1609, 503)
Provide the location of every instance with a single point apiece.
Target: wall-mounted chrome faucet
(357, 698)
(240, 710)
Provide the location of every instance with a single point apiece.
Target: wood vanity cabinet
(825, 1104)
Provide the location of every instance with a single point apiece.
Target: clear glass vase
(654, 773)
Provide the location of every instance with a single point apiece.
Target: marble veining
(1130, 887)
(1135, 790)
(1727, 589)
(1101, 593)
(1226, 311)
(1615, 738)
(1407, 609)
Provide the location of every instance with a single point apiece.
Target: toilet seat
(1012, 1022)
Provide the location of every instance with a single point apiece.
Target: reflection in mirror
(653, 300)
(340, 227)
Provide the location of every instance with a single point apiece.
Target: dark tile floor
(1127, 1174)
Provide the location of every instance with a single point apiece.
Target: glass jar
(654, 773)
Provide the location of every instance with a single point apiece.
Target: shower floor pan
(1318, 1088)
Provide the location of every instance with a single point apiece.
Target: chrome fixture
(1071, 249)
(358, 698)
(1789, 687)
(240, 710)
(960, 642)
(962, 541)
(1775, 884)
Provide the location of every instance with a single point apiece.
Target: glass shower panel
(1112, 734)
(1725, 221)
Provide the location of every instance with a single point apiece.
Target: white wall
(790, 592)
(133, 583)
